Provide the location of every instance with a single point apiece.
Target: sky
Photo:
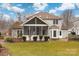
(10, 10)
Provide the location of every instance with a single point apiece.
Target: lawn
(50, 48)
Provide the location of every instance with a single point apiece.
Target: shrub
(1, 46)
(73, 33)
(0, 34)
(46, 38)
(73, 37)
(24, 38)
(35, 38)
(40, 37)
(8, 39)
(1, 37)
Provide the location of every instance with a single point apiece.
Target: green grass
(50, 48)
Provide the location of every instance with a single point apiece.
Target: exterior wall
(57, 35)
(50, 22)
(14, 33)
(64, 33)
(50, 31)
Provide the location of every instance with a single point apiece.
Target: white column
(23, 30)
(35, 26)
(47, 30)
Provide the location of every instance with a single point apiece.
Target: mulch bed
(17, 40)
(4, 52)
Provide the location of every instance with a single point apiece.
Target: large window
(55, 21)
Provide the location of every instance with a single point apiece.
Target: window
(55, 21)
(54, 33)
(60, 33)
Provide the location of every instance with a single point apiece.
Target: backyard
(50, 48)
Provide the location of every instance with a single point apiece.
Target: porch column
(35, 30)
(47, 30)
(35, 27)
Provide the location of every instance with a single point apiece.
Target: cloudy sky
(9, 10)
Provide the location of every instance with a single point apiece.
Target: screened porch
(35, 30)
(35, 26)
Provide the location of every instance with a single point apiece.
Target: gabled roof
(16, 25)
(44, 16)
(32, 18)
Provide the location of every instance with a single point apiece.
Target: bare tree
(67, 19)
(19, 16)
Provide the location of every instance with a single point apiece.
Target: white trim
(35, 25)
(31, 19)
(52, 33)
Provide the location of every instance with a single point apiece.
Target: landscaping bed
(17, 40)
(3, 51)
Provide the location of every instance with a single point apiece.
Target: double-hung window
(55, 21)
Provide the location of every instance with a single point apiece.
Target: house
(7, 32)
(16, 29)
(41, 23)
(75, 27)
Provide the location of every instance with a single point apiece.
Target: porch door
(54, 33)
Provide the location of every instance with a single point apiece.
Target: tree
(18, 16)
(67, 19)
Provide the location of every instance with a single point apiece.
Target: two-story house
(43, 23)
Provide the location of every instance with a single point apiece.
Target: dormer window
(55, 21)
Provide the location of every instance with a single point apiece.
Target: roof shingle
(16, 25)
(44, 16)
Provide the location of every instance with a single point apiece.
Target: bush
(8, 39)
(40, 37)
(73, 33)
(46, 38)
(1, 37)
(0, 34)
(1, 46)
(24, 38)
(35, 38)
(73, 37)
